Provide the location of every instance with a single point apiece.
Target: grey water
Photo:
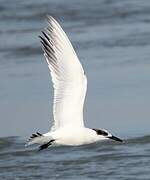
(112, 40)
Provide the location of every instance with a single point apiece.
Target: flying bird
(70, 85)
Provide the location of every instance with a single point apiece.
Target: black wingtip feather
(45, 35)
(39, 134)
(46, 45)
(45, 42)
(35, 135)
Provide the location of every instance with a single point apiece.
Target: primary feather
(69, 80)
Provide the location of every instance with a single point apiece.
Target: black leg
(44, 146)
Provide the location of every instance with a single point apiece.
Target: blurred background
(112, 40)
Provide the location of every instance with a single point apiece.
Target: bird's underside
(70, 137)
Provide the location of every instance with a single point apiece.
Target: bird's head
(106, 134)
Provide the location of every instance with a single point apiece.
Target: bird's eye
(101, 132)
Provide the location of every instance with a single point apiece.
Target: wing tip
(50, 19)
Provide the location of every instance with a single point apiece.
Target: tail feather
(38, 138)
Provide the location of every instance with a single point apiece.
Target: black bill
(115, 138)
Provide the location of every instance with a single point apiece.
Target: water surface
(112, 40)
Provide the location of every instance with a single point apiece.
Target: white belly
(72, 137)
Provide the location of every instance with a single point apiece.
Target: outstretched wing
(69, 80)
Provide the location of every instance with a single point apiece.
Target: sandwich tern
(70, 85)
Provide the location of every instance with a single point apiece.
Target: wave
(6, 142)
(139, 140)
